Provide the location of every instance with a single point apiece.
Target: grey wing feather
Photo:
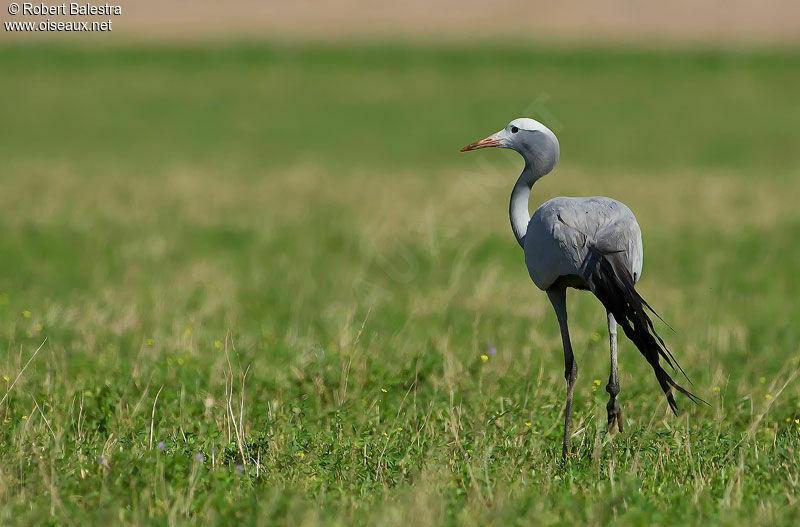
(562, 230)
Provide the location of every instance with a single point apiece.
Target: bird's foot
(614, 417)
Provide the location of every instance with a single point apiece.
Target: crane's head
(533, 140)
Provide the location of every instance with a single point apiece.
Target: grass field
(267, 279)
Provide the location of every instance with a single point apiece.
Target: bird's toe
(614, 417)
(611, 428)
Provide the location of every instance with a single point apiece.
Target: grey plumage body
(584, 243)
(560, 233)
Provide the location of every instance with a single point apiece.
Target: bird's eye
(514, 129)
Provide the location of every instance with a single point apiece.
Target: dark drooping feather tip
(609, 280)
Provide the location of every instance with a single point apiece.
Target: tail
(611, 282)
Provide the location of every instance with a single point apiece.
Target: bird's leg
(613, 408)
(558, 298)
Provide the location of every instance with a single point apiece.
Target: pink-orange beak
(483, 143)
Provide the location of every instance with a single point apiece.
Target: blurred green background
(271, 257)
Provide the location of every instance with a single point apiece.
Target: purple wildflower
(239, 469)
(162, 445)
(198, 457)
(492, 351)
(101, 460)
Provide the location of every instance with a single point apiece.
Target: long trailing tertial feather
(611, 282)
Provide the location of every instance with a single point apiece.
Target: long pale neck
(518, 208)
(540, 151)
